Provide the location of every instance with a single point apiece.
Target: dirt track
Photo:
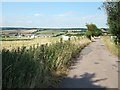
(96, 67)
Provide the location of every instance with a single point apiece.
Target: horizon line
(43, 27)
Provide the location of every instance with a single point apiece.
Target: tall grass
(115, 49)
(37, 67)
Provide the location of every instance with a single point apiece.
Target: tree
(92, 31)
(91, 28)
(113, 18)
(88, 34)
(97, 32)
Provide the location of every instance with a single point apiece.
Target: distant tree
(88, 34)
(113, 12)
(92, 28)
(97, 32)
(92, 31)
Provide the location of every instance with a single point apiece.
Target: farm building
(104, 31)
(66, 37)
(74, 30)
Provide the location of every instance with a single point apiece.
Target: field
(14, 41)
(49, 32)
(18, 31)
(15, 44)
(45, 36)
(38, 62)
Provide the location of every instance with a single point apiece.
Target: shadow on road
(87, 50)
(82, 81)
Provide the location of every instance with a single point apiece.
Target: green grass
(49, 32)
(75, 34)
(115, 49)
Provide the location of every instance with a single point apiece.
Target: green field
(49, 32)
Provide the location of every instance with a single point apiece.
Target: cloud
(38, 14)
(97, 17)
(66, 19)
(66, 14)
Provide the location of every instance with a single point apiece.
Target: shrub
(88, 34)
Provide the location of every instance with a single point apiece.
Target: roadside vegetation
(112, 10)
(115, 49)
(41, 66)
(113, 20)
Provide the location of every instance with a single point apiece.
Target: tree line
(113, 18)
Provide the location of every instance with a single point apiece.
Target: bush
(88, 34)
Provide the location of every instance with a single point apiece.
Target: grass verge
(115, 49)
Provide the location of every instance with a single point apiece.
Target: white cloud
(66, 19)
(65, 14)
(93, 17)
(38, 14)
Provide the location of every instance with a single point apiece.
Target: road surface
(96, 67)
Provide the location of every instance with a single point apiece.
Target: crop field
(18, 31)
(45, 36)
(15, 44)
(38, 62)
(49, 32)
(40, 66)
(28, 42)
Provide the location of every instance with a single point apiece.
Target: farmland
(17, 38)
(17, 31)
(38, 62)
(28, 42)
(49, 32)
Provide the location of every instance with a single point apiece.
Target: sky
(52, 14)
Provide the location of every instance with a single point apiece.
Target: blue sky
(52, 14)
